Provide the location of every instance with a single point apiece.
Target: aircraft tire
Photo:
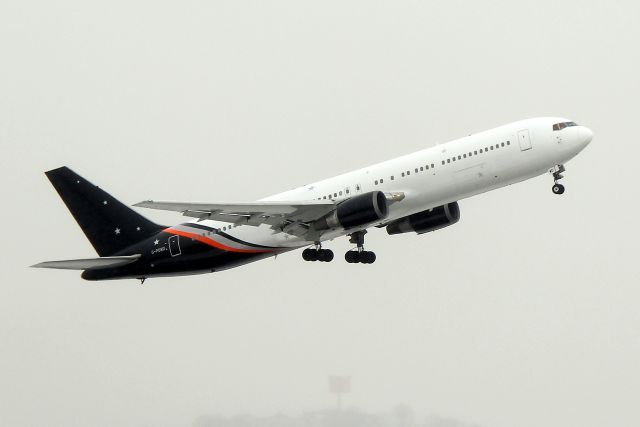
(368, 257)
(557, 189)
(310, 255)
(351, 257)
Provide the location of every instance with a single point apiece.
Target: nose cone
(585, 135)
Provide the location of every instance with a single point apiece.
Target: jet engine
(356, 211)
(425, 221)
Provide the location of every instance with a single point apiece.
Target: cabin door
(174, 245)
(524, 140)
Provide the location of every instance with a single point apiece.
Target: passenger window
(416, 170)
(491, 147)
(340, 193)
(381, 180)
(475, 152)
(402, 174)
(443, 162)
(427, 167)
(376, 182)
(392, 178)
(432, 165)
(459, 157)
(502, 144)
(465, 155)
(421, 168)
(448, 160)
(408, 173)
(508, 142)
(335, 194)
(454, 159)
(347, 191)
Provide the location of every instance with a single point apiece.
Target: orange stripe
(211, 242)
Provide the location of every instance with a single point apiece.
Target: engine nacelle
(356, 211)
(425, 221)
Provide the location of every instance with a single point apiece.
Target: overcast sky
(525, 313)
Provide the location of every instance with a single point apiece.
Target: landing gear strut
(359, 255)
(556, 171)
(317, 254)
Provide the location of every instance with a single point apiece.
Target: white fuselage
(438, 175)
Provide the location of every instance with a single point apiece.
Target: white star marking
(77, 182)
(137, 228)
(104, 203)
(117, 231)
(155, 242)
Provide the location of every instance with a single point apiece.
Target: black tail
(109, 225)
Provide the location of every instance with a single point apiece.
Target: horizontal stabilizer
(84, 264)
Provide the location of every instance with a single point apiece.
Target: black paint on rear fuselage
(158, 260)
(114, 229)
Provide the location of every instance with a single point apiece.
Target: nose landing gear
(556, 171)
(359, 255)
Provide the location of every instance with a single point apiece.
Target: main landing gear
(317, 254)
(359, 255)
(556, 171)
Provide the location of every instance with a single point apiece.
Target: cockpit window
(560, 126)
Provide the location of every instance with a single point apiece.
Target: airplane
(416, 193)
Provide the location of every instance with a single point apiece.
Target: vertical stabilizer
(109, 225)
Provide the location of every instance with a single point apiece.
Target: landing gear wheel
(363, 257)
(352, 257)
(367, 257)
(313, 254)
(557, 188)
(325, 255)
(310, 254)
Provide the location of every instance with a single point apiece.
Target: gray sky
(525, 313)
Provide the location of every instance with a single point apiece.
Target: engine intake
(425, 221)
(356, 211)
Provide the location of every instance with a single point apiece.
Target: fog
(524, 313)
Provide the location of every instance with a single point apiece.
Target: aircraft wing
(292, 218)
(84, 264)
